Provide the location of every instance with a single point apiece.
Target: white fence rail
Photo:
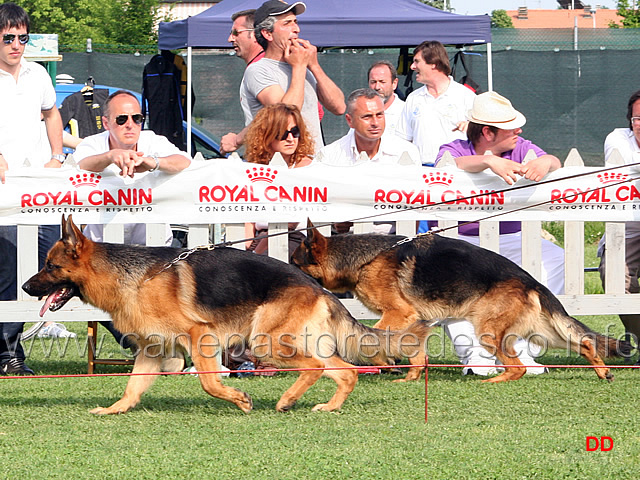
(613, 301)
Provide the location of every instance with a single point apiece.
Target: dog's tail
(575, 334)
(566, 331)
(362, 345)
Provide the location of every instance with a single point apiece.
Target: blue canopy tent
(337, 23)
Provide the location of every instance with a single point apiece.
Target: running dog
(169, 297)
(435, 277)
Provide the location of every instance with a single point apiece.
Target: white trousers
(461, 332)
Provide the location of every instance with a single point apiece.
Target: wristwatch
(61, 157)
(155, 157)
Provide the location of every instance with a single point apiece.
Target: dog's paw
(323, 407)
(402, 380)
(105, 411)
(246, 403)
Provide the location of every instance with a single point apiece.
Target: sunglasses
(234, 32)
(137, 118)
(295, 131)
(8, 38)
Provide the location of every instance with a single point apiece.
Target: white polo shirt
(149, 143)
(21, 104)
(343, 152)
(429, 122)
(623, 140)
(392, 115)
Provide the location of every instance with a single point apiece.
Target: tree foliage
(434, 3)
(630, 16)
(501, 19)
(127, 22)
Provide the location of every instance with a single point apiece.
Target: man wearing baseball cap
(289, 72)
(494, 143)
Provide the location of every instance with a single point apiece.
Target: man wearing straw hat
(494, 142)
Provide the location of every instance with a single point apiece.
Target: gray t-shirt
(267, 72)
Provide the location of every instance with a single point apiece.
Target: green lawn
(535, 428)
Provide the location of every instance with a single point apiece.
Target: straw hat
(491, 108)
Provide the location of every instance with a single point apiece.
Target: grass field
(535, 428)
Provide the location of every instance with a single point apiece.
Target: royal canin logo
(438, 178)
(261, 174)
(440, 190)
(79, 196)
(85, 179)
(256, 192)
(612, 177)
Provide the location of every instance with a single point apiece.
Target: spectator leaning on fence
(26, 93)
(435, 113)
(288, 73)
(383, 79)
(494, 143)
(627, 142)
(279, 129)
(366, 118)
(130, 152)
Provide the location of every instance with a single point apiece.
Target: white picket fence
(614, 301)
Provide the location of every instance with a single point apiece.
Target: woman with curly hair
(277, 128)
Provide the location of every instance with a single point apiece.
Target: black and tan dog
(435, 277)
(217, 297)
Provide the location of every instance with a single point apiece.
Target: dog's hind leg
(304, 381)
(507, 355)
(345, 379)
(136, 386)
(588, 350)
(204, 359)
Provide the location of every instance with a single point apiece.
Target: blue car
(204, 142)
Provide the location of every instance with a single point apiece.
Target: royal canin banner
(231, 191)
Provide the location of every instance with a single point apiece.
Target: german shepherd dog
(435, 277)
(211, 295)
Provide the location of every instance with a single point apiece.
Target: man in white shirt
(128, 151)
(384, 80)
(627, 142)
(26, 95)
(366, 117)
(435, 113)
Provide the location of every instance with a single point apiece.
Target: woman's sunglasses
(8, 38)
(137, 118)
(295, 131)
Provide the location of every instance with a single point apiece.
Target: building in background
(587, 17)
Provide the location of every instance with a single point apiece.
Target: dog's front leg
(136, 386)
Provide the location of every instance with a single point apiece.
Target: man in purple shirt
(494, 142)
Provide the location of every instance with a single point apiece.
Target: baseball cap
(272, 8)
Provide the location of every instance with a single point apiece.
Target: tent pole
(189, 105)
(489, 67)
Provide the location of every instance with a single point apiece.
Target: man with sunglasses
(248, 49)
(124, 147)
(127, 150)
(26, 95)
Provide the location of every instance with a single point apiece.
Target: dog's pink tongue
(47, 304)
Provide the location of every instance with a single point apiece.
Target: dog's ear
(72, 236)
(313, 234)
(317, 243)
